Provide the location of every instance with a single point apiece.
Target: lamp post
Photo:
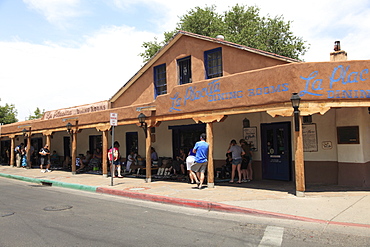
(296, 100)
(69, 128)
(143, 124)
(298, 154)
(148, 140)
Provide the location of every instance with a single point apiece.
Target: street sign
(113, 119)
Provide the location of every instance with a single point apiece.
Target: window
(213, 63)
(184, 70)
(160, 82)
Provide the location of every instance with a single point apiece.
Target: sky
(62, 53)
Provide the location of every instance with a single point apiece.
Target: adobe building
(198, 84)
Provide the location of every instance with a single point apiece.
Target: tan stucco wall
(234, 61)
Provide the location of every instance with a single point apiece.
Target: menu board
(309, 138)
(250, 135)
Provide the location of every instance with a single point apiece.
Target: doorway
(131, 142)
(95, 141)
(276, 151)
(185, 137)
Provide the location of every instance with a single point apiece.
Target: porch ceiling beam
(210, 118)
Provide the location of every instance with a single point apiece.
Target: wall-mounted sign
(326, 145)
(250, 136)
(309, 138)
(348, 135)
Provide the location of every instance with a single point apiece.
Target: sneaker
(43, 171)
(47, 170)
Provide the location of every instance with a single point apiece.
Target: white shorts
(190, 162)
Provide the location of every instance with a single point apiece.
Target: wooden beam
(299, 162)
(148, 157)
(209, 118)
(105, 154)
(210, 168)
(74, 151)
(12, 153)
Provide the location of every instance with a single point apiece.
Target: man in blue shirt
(201, 159)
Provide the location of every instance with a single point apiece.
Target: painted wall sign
(94, 107)
(343, 81)
(315, 86)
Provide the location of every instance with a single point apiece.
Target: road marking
(273, 236)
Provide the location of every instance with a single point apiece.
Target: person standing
(201, 159)
(237, 153)
(113, 154)
(45, 158)
(189, 163)
(247, 157)
(24, 157)
(18, 154)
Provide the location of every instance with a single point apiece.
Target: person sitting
(87, 158)
(180, 164)
(131, 160)
(54, 158)
(95, 161)
(79, 163)
(226, 169)
(153, 156)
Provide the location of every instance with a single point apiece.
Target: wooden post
(148, 157)
(74, 151)
(211, 176)
(28, 149)
(12, 153)
(299, 161)
(105, 154)
(48, 141)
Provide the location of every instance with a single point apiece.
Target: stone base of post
(299, 194)
(210, 185)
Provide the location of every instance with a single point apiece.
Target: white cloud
(56, 12)
(52, 77)
(57, 75)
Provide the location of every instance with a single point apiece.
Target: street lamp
(69, 128)
(143, 124)
(295, 99)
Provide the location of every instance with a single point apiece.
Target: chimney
(338, 54)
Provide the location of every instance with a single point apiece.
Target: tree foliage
(242, 25)
(8, 114)
(36, 114)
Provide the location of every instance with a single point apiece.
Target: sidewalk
(322, 204)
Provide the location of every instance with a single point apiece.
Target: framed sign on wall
(250, 136)
(309, 138)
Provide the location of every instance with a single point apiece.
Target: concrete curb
(51, 182)
(180, 201)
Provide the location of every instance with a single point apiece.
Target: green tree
(242, 25)
(36, 114)
(8, 114)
